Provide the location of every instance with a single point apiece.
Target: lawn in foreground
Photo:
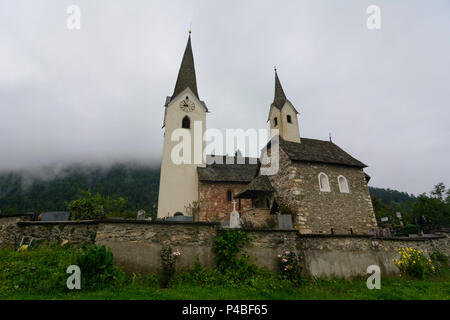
(393, 288)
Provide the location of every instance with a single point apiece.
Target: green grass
(391, 289)
(40, 274)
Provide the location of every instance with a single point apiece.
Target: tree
(432, 212)
(439, 191)
(89, 206)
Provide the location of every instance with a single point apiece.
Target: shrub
(411, 229)
(413, 263)
(88, 207)
(97, 269)
(440, 262)
(289, 266)
(168, 260)
(228, 255)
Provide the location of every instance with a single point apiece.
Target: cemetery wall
(70, 232)
(136, 244)
(9, 229)
(267, 244)
(345, 256)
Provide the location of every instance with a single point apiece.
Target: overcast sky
(97, 94)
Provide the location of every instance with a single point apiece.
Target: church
(321, 186)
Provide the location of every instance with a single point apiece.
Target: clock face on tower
(187, 105)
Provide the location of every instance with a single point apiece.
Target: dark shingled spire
(186, 75)
(280, 97)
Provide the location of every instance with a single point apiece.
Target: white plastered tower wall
(178, 187)
(287, 131)
(179, 182)
(283, 115)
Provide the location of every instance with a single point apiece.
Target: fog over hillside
(96, 95)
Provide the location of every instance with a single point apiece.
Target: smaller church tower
(283, 115)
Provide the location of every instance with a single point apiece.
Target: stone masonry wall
(346, 256)
(10, 235)
(297, 184)
(260, 217)
(267, 244)
(70, 232)
(214, 205)
(340, 211)
(136, 245)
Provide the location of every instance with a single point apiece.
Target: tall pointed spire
(279, 98)
(186, 75)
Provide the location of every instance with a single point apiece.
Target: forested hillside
(396, 200)
(21, 192)
(390, 196)
(139, 184)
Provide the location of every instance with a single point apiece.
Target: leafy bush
(440, 262)
(88, 207)
(168, 260)
(413, 263)
(228, 255)
(289, 266)
(411, 229)
(97, 269)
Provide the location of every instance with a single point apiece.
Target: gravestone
(180, 219)
(235, 222)
(140, 215)
(55, 216)
(225, 224)
(284, 221)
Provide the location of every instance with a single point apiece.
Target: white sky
(97, 94)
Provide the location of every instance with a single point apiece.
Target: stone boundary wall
(71, 232)
(9, 229)
(346, 256)
(136, 244)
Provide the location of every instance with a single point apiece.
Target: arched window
(178, 214)
(343, 184)
(324, 185)
(289, 119)
(186, 123)
(275, 121)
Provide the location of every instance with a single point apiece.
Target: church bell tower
(184, 122)
(283, 115)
